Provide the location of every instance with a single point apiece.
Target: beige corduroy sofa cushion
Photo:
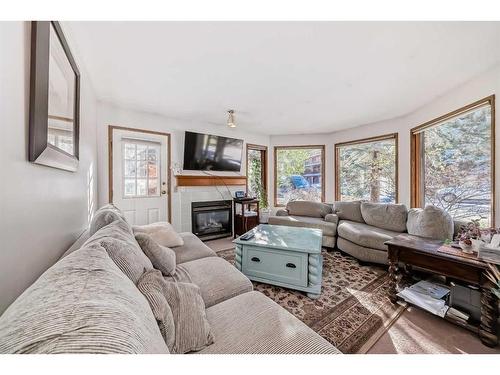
(104, 216)
(151, 285)
(162, 258)
(193, 249)
(82, 304)
(252, 323)
(118, 240)
(217, 279)
(348, 211)
(192, 329)
(365, 235)
(308, 208)
(328, 228)
(388, 216)
(431, 222)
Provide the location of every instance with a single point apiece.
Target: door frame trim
(111, 128)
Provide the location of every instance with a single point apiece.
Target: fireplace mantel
(200, 180)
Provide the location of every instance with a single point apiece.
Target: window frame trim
(416, 154)
(298, 147)
(376, 138)
(263, 151)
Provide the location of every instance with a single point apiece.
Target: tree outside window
(454, 164)
(366, 169)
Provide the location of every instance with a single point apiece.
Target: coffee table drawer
(283, 266)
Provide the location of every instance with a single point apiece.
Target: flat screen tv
(204, 152)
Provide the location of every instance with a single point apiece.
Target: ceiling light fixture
(230, 119)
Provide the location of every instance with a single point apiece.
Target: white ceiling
(282, 77)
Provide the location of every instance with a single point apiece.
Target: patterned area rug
(353, 310)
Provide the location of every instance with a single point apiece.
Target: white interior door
(140, 175)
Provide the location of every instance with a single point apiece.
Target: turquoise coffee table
(284, 256)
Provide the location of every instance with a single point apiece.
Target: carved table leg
(393, 276)
(237, 256)
(489, 315)
(314, 274)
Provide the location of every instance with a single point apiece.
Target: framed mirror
(54, 99)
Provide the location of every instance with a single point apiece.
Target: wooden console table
(423, 252)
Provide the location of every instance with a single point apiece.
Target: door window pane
(299, 174)
(142, 188)
(129, 151)
(130, 168)
(367, 170)
(142, 170)
(141, 166)
(141, 152)
(129, 190)
(152, 187)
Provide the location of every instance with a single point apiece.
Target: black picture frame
(40, 150)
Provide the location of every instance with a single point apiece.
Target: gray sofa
(362, 228)
(307, 214)
(88, 302)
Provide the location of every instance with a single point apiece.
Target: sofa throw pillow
(349, 211)
(122, 247)
(161, 232)
(308, 208)
(162, 258)
(104, 216)
(431, 222)
(385, 215)
(192, 330)
(151, 285)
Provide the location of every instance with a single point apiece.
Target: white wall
(42, 210)
(477, 88)
(108, 114)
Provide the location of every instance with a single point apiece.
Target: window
(367, 169)
(256, 170)
(452, 166)
(141, 166)
(299, 173)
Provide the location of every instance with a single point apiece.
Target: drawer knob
(291, 265)
(255, 259)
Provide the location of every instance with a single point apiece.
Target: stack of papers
(430, 289)
(489, 254)
(427, 296)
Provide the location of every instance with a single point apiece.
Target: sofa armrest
(332, 218)
(282, 212)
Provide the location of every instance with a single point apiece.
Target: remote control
(246, 236)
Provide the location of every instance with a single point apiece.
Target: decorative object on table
(264, 205)
(54, 113)
(246, 215)
(283, 256)
(493, 274)
(469, 237)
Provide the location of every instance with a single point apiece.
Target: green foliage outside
(255, 188)
(457, 164)
(368, 171)
(291, 162)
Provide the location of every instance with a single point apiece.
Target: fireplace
(210, 220)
